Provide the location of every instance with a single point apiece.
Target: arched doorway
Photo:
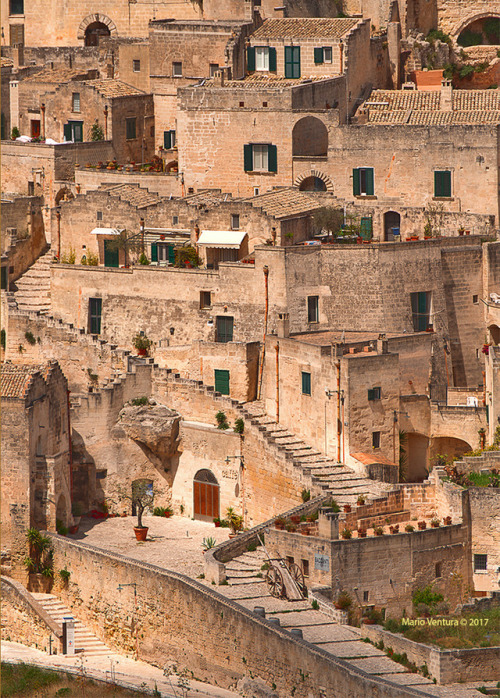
(494, 331)
(309, 138)
(392, 219)
(94, 31)
(312, 184)
(205, 496)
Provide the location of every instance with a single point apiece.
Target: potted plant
(378, 531)
(435, 523)
(422, 525)
(295, 519)
(40, 561)
(447, 521)
(141, 344)
(347, 533)
(361, 532)
(343, 601)
(141, 497)
(235, 521)
(409, 528)
(279, 523)
(347, 508)
(394, 529)
(361, 500)
(217, 522)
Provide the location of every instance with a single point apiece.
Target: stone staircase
(85, 641)
(327, 474)
(33, 287)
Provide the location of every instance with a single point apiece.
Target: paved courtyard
(174, 543)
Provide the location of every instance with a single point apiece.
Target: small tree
(41, 553)
(96, 132)
(142, 497)
(329, 219)
(187, 257)
(127, 243)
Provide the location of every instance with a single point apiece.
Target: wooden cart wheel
(274, 582)
(297, 576)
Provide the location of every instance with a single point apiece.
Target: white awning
(107, 231)
(230, 239)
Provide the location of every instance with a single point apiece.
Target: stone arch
(449, 446)
(64, 194)
(392, 219)
(96, 19)
(309, 137)
(464, 24)
(494, 331)
(206, 495)
(299, 181)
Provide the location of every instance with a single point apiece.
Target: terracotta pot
(422, 525)
(141, 533)
(142, 352)
(279, 526)
(217, 524)
(361, 534)
(295, 519)
(367, 621)
(347, 508)
(73, 529)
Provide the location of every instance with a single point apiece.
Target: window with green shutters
(222, 381)
(292, 62)
(111, 254)
(154, 252)
(374, 393)
(306, 383)
(73, 131)
(365, 228)
(250, 59)
(421, 308)
(169, 139)
(224, 329)
(259, 157)
(95, 312)
(363, 181)
(442, 183)
(131, 128)
(318, 56)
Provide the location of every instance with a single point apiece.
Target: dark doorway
(206, 496)
(312, 184)
(111, 254)
(94, 31)
(35, 128)
(392, 223)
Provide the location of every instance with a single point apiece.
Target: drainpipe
(106, 122)
(42, 107)
(339, 423)
(343, 429)
(266, 311)
(277, 347)
(58, 218)
(141, 228)
(70, 449)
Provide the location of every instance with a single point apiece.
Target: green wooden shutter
(438, 184)
(248, 158)
(67, 132)
(288, 62)
(95, 312)
(365, 228)
(318, 56)
(250, 59)
(167, 140)
(355, 182)
(154, 252)
(171, 254)
(442, 183)
(272, 158)
(371, 394)
(222, 381)
(306, 383)
(447, 183)
(272, 60)
(296, 62)
(369, 181)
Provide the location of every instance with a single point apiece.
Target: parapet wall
(178, 619)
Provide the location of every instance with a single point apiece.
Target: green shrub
(96, 132)
(315, 604)
(221, 420)
(470, 38)
(138, 401)
(427, 597)
(65, 575)
(30, 337)
(306, 495)
(15, 133)
(143, 259)
(92, 260)
(187, 257)
(437, 35)
(61, 528)
(239, 425)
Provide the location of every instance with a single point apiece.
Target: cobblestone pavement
(174, 543)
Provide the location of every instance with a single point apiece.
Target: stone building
(36, 452)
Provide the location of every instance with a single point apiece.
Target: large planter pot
(361, 533)
(142, 352)
(73, 529)
(141, 533)
(367, 621)
(40, 583)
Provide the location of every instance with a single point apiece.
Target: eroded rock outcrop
(153, 427)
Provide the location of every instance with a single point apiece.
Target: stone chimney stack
(18, 56)
(219, 78)
(382, 344)
(283, 325)
(446, 99)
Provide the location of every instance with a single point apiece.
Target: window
(224, 329)
(169, 139)
(31, 188)
(292, 62)
(5, 277)
(305, 567)
(162, 252)
(480, 563)
(366, 594)
(99, 215)
(95, 312)
(442, 184)
(306, 383)
(101, 474)
(256, 191)
(375, 439)
(374, 394)
(177, 69)
(242, 104)
(235, 221)
(290, 560)
(16, 34)
(212, 69)
(312, 308)
(205, 299)
(75, 102)
(130, 125)
(420, 308)
(73, 131)
(175, 220)
(475, 299)
(261, 58)
(136, 66)
(323, 55)
(16, 7)
(222, 381)
(362, 181)
(438, 570)
(260, 158)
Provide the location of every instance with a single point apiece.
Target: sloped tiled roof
(6, 62)
(15, 379)
(58, 76)
(283, 203)
(134, 194)
(208, 198)
(264, 81)
(304, 28)
(416, 108)
(109, 87)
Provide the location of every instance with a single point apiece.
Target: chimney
(219, 78)
(283, 325)
(18, 56)
(382, 344)
(446, 99)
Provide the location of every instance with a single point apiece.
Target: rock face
(154, 428)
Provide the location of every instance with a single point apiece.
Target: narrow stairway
(85, 641)
(330, 476)
(33, 287)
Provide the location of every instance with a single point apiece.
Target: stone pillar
(283, 325)
(446, 98)
(19, 524)
(393, 42)
(328, 524)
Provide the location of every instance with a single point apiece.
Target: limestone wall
(484, 505)
(178, 619)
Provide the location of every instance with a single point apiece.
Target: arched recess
(313, 174)
(448, 446)
(494, 331)
(309, 137)
(416, 447)
(64, 194)
(486, 25)
(206, 496)
(62, 510)
(96, 25)
(392, 219)
(312, 184)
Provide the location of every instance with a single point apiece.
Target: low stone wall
(446, 666)
(24, 619)
(174, 618)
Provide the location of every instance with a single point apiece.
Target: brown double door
(206, 500)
